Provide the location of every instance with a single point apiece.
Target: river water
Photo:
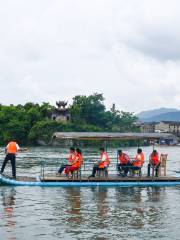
(88, 213)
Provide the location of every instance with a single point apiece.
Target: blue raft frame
(12, 182)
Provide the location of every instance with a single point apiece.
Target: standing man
(11, 150)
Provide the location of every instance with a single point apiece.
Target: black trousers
(156, 168)
(12, 158)
(124, 167)
(62, 167)
(96, 168)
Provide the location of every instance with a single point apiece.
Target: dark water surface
(89, 213)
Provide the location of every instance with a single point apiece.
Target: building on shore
(61, 113)
(148, 127)
(172, 127)
(169, 127)
(163, 126)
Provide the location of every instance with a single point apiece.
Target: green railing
(31, 166)
(49, 167)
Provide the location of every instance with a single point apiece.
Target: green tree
(29, 123)
(43, 130)
(88, 109)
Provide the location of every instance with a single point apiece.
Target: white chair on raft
(163, 161)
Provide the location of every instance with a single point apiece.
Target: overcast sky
(129, 50)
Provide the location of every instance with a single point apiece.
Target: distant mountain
(170, 116)
(162, 114)
(155, 112)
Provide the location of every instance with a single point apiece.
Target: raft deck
(111, 178)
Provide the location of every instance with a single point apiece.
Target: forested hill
(146, 115)
(170, 116)
(29, 123)
(161, 114)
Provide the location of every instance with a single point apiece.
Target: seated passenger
(154, 163)
(103, 163)
(75, 164)
(138, 160)
(123, 166)
(70, 158)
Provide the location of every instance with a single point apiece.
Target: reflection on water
(138, 215)
(8, 202)
(73, 199)
(89, 213)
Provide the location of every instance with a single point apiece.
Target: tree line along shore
(31, 123)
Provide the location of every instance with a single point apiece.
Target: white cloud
(128, 50)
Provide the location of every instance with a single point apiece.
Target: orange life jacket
(139, 160)
(71, 157)
(12, 148)
(77, 161)
(154, 159)
(124, 158)
(104, 160)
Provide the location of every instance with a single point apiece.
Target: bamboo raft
(112, 180)
(83, 181)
